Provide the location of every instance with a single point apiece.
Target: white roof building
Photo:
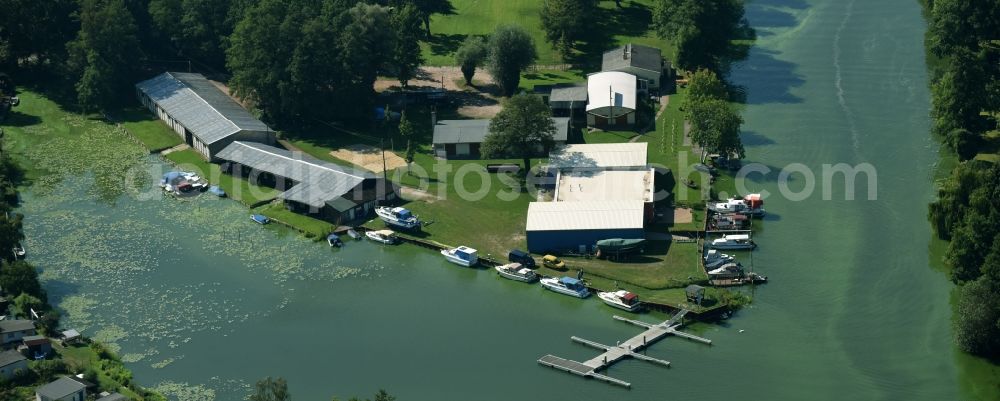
(611, 98)
(602, 155)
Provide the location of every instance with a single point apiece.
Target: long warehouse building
(577, 226)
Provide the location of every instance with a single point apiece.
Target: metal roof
(576, 93)
(603, 155)
(207, 112)
(60, 388)
(10, 357)
(7, 326)
(630, 55)
(475, 131)
(318, 183)
(113, 397)
(605, 89)
(585, 215)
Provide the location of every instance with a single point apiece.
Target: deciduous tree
(715, 127)
(522, 127)
(105, 53)
(269, 389)
(564, 21)
(471, 55)
(702, 29)
(406, 49)
(511, 51)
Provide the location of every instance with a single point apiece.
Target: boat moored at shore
(517, 272)
(621, 299)
(387, 237)
(398, 217)
(566, 285)
(733, 241)
(463, 256)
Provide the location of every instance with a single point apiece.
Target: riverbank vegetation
(964, 52)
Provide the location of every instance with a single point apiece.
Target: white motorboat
(462, 255)
(515, 271)
(733, 241)
(383, 236)
(566, 285)
(397, 216)
(19, 251)
(715, 259)
(751, 205)
(621, 299)
(728, 270)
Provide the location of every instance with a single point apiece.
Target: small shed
(695, 293)
(38, 347)
(460, 139)
(570, 100)
(62, 389)
(70, 336)
(611, 99)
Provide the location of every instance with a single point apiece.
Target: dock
(617, 352)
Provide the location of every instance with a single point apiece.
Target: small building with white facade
(461, 139)
(645, 62)
(200, 113)
(611, 99)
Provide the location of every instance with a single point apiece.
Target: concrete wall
(570, 240)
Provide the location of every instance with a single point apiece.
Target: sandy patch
(682, 216)
(473, 102)
(368, 157)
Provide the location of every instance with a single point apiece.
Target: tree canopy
(268, 389)
(565, 21)
(715, 127)
(471, 55)
(511, 51)
(104, 53)
(406, 48)
(522, 128)
(701, 29)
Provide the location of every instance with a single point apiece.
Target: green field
(612, 27)
(238, 189)
(311, 227)
(144, 125)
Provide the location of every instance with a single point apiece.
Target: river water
(201, 302)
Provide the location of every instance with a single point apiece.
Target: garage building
(206, 119)
(576, 226)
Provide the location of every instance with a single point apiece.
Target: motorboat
(19, 251)
(750, 205)
(733, 241)
(260, 219)
(334, 240)
(387, 237)
(715, 259)
(734, 221)
(353, 234)
(566, 285)
(398, 217)
(462, 255)
(515, 271)
(621, 299)
(620, 245)
(728, 270)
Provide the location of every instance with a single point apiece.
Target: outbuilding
(645, 62)
(611, 99)
(14, 330)
(62, 389)
(200, 113)
(577, 226)
(10, 363)
(461, 139)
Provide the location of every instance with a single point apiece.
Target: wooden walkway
(629, 348)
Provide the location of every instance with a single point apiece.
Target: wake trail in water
(838, 80)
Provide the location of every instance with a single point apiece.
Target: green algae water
(201, 302)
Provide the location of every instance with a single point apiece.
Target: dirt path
(475, 102)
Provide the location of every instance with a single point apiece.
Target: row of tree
(702, 30)
(276, 389)
(962, 38)
(715, 123)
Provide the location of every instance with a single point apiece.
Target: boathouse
(611, 99)
(461, 139)
(206, 118)
(311, 186)
(577, 226)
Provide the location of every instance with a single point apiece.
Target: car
(552, 262)
(522, 257)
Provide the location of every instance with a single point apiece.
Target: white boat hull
(456, 260)
(563, 290)
(611, 301)
(515, 277)
(733, 246)
(386, 241)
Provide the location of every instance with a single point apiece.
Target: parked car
(553, 262)
(522, 257)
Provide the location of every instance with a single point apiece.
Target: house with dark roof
(645, 62)
(38, 346)
(63, 389)
(460, 139)
(565, 100)
(199, 112)
(13, 331)
(311, 186)
(10, 363)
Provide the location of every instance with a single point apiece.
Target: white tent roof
(585, 215)
(612, 88)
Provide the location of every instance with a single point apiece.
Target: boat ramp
(629, 348)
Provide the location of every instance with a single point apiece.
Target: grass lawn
(313, 228)
(82, 356)
(141, 123)
(664, 265)
(612, 27)
(238, 189)
(550, 77)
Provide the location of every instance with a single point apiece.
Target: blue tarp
(569, 281)
(404, 214)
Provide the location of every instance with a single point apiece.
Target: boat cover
(569, 281)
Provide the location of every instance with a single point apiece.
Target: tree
(470, 55)
(104, 53)
(406, 49)
(365, 47)
(33, 31)
(511, 51)
(962, 24)
(521, 129)
(702, 29)
(705, 84)
(197, 28)
(431, 7)
(25, 303)
(715, 126)
(19, 277)
(269, 389)
(959, 95)
(407, 131)
(977, 323)
(564, 21)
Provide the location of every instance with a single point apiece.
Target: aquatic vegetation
(184, 392)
